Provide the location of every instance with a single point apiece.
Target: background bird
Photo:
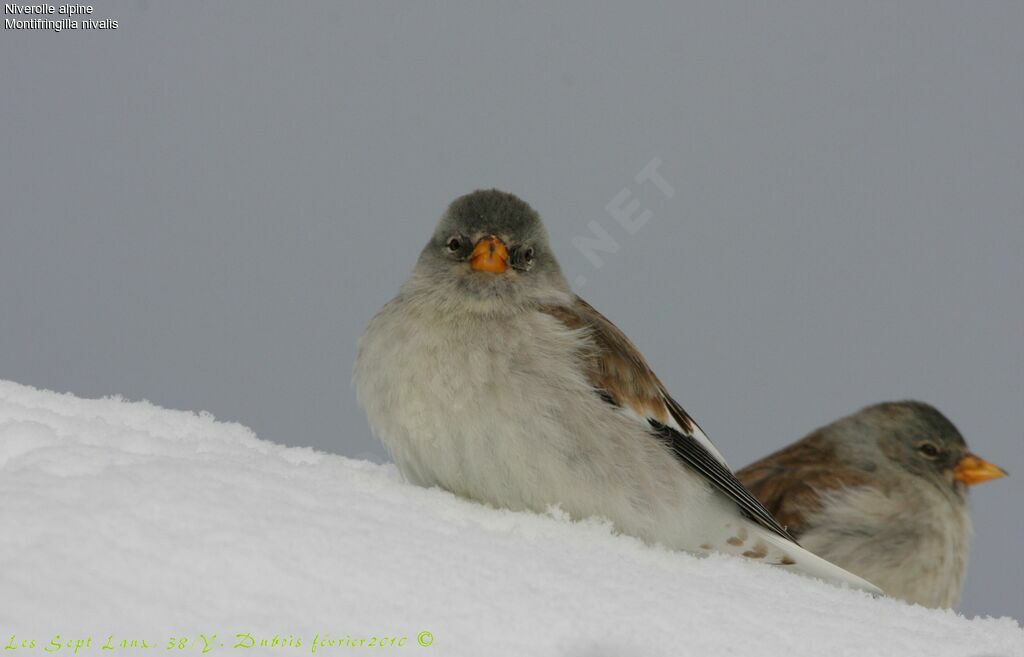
(882, 493)
(488, 377)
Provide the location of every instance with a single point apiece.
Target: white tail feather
(811, 564)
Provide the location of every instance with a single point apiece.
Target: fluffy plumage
(881, 493)
(488, 377)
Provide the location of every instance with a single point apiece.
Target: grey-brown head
(491, 246)
(921, 441)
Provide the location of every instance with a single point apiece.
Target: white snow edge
(121, 518)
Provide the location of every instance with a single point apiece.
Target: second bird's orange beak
(489, 255)
(974, 470)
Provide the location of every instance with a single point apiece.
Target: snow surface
(129, 520)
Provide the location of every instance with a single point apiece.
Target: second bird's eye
(928, 449)
(528, 255)
(454, 244)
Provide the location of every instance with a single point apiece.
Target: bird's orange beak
(489, 255)
(974, 470)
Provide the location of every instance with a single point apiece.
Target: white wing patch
(670, 421)
(699, 435)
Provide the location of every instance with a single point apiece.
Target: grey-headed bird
(486, 376)
(882, 493)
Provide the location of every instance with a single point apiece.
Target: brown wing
(615, 366)
(622, 378)
(790, 481)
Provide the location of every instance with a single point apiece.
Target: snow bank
(128, 521)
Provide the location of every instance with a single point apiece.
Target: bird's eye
(928, 450)
(454, 244)
(523, 257)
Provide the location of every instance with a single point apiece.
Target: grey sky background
(204, 207)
